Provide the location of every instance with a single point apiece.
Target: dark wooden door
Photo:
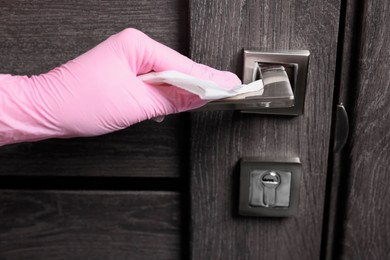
(219, 32)
(360, 194)
(344, 200)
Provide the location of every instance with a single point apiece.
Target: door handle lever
(284, 78)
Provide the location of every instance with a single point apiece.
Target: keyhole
(270, 181)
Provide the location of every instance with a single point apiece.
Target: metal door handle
(284, 77)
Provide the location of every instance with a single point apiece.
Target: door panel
(89, 225)
(362, 224)
(148, 149)
(219, 32)
(38, 35)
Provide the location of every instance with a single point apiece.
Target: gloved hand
(99, 92)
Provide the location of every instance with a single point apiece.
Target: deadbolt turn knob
(270, 181)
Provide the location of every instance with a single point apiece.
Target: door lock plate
(269, 188)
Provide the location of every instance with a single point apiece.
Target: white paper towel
(205, 89)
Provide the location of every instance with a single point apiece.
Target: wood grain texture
(366, 205)
(219, 32)
(148, 149)
(89, 225)
(38, 35)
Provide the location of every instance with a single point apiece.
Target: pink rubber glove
(99, 92)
